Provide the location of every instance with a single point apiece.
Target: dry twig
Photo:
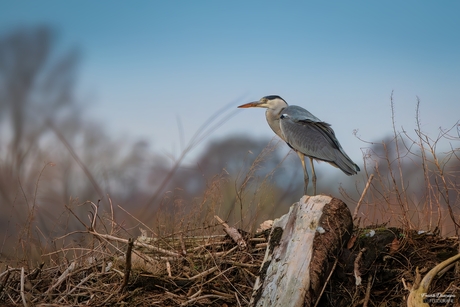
(233, 233)
(23, 296)
(128, 265)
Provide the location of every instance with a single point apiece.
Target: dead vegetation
(389, 262)
(181, 269)
(186, 258)
(185, 269)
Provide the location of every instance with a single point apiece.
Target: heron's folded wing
(315, 139)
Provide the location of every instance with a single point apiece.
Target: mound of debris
(381, 265)
(378, 267)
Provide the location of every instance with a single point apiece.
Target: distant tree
(235, 170)
(36, 88)
(232, 155)
(35, 84)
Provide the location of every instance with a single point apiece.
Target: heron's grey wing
(317, 140)
(314, 139)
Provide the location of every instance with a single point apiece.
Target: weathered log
(303, 246)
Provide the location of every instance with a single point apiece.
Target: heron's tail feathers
(344, 162)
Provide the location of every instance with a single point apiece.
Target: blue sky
(147, 63)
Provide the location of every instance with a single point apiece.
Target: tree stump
(303, 246)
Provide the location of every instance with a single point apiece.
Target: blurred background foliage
(52, 158)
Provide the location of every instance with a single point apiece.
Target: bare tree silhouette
(35, 86)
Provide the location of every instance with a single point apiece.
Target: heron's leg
(313, 175)
(305, 173)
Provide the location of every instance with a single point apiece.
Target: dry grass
(414, 186)
(178, 269)
(204, 267)
(183, 258)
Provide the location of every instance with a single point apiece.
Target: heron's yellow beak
(254, 104)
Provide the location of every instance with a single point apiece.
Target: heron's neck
(273, 119)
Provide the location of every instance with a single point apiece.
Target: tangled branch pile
(178, 270)
(381, 265)
(204, 267)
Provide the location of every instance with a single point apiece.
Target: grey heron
(306, 134)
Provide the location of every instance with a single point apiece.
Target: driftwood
(419, 295)
(302, 252)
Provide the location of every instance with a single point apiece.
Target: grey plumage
(306, 134)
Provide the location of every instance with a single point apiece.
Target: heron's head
(273, 102)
